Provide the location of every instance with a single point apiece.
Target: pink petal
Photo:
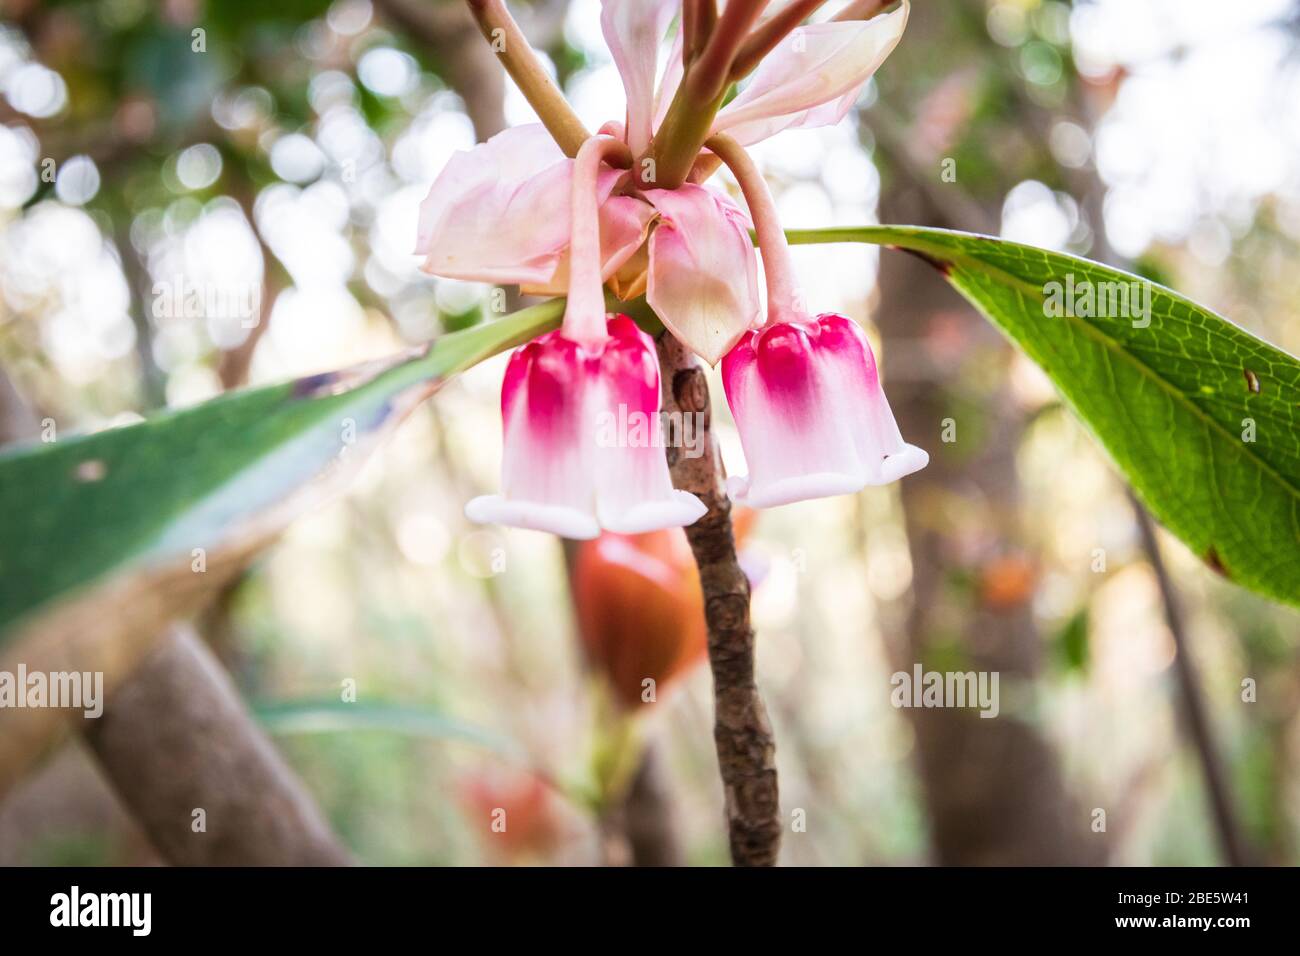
(500, 212)
(817, 64)
(634, 492)
(546, 481)
(812, 416)
(633, 30)
(624, 221)
(703, 281)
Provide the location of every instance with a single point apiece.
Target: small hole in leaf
(92, 469)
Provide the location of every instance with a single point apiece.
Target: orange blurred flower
(640, 609)
(1007, 582)
(516, 811)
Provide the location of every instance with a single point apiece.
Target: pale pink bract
(499, 212)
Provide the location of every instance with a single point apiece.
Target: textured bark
(175, 738)
(741, 732)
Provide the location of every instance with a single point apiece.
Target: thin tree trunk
(649, 819)
(639, 827)
(993, 787)
(1195, 718)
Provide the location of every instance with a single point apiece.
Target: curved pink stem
(584, 313)
(783, 301)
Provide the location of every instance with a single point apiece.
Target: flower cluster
(517, 210)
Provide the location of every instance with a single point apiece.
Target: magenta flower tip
(812, 415)
(583, 440)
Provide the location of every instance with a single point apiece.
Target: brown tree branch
(648, 816)
(741, 731)
(234, 363)
(175, 738)
(1195, 717)
(464, 61)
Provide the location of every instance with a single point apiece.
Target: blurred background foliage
(164, 165)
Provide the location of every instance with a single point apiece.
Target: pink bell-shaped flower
(499, 213)
(813, 418)
(583, 443)
(583, 440)
(804, 392)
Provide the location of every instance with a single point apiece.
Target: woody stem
(778, 265)
(584, 313)
(742, 733)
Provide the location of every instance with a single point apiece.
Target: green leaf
(332, 715)
(337, 716)
(105, 534)
(1071, 643)
(1173, 402)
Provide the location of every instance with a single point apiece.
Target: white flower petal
(816, 64)
(633, 30)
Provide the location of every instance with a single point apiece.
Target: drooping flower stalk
(699, 17)
(714, 66)
(500, 213)
(783, 299)
(765, 38)
(584, 314)
(805, 392)
(698, 99)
